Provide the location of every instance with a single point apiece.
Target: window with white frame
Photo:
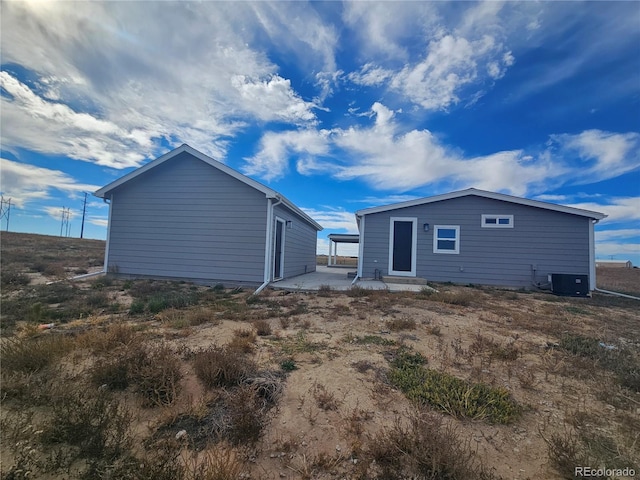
(446, 239)
(497, 221)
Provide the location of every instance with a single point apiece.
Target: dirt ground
(338, 398)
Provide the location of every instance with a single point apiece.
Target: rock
(180, 434)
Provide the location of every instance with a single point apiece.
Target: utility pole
(64, 226)
(84, 209)
(5, 212)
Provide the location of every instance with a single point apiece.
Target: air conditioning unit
(570, 285)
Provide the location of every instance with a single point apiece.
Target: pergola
(334, 240)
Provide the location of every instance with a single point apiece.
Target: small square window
(446, 239)
(496, 221)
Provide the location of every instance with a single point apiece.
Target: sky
(338, 106)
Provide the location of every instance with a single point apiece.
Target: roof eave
(485, 194)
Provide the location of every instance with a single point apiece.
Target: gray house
(188, 216)
(479, 237)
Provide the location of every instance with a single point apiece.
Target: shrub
(29, 355)
(92, 422)
(324, 291)
(398, 324)
(246, 415)
(136, 308)
(424, 447)
(13, 278)
(222, 367)
(156, 374)
(373, 340)
(242, 341)
(263, 328)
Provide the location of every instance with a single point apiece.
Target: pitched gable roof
(268, 192)
(483, 193)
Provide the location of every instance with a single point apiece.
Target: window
(446, 239)
(497, 221)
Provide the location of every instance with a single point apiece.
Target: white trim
(267, 243)
(414, 245)
(497, 217)
(457, 240)
(592, 256)
(269, 193)
(485, 194)
(275, 232)
(361, 246)
(106, 248)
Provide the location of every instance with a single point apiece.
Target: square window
(496, 221)
(446, 239)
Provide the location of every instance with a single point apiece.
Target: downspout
(624, 295)
(268, 243)
(106, 249)
(592, 255)
(360, 222)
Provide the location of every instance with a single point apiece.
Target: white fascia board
(482, 193)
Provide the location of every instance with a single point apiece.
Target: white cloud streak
(25, 183)
(120, 84)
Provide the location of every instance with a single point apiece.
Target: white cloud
(620, 234)
(121, 84)
(334, 219)
(603, 155)
(272, 160)
(272, 99)
(100, 222)
(617, 209)
(370, 75)
(24, 183)
(450, 64)
(388, 157)
(32, 122)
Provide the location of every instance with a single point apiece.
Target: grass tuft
(448, 393)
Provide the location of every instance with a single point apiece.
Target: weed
(29, 355)
(263, 328)
(288, 365)
(222, 367)
(137, 307)
(300, 344)
(13, 279)
(448, 393)
(285, 322)
(622, 361)
(222, 462)
(373, 340)
(325, 399)
(357, 292)
(200, 316)
(156, 374)
(94, 423)
(424, 447)
(363, 366)
(324, 290)
(242, 341)
(398, 324)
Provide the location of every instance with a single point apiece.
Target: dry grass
(623, 280)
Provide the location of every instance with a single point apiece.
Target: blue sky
(339, 106)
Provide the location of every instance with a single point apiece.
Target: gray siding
(186, 219)
(554, 242)
(299, 243)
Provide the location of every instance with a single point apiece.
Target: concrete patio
(336, 278)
